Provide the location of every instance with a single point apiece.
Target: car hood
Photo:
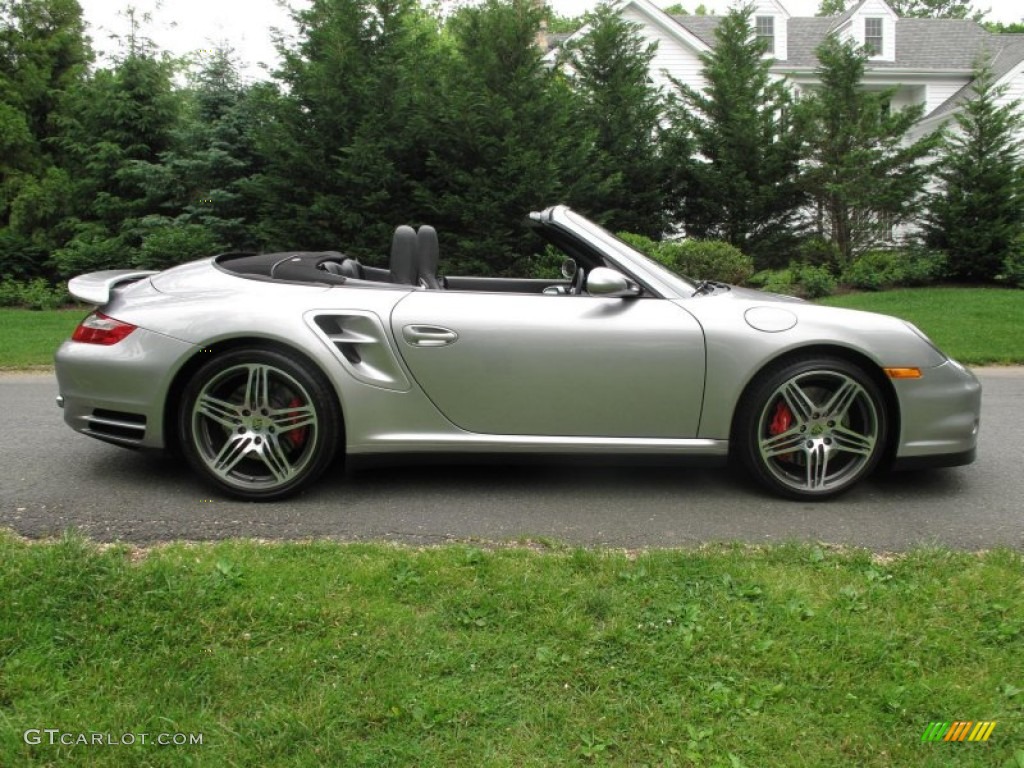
(739, 316)
(749, 294)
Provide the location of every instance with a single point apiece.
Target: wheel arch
(199, 358)
(869, 366)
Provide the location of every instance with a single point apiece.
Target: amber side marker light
(903, 373)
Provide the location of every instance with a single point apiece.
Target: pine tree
(200, 180)
(621, 112)
(744, 186)
(936, 9)
(977, 213)
(43, 58)
(119, 123)
(504, 142)
(344, 143)
(861, 171)
(831, 7)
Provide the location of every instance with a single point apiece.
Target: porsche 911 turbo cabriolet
(261, 367)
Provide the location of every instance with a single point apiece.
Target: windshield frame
(626, 257)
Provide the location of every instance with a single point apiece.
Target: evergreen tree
(831, 7)
(199, 182)
(861, 171)
(504, 142)
(936, 9)
(119, 123)
(998, 27)
(977, 214)
(43, 58)
(744, 185)
(344, 142)
(621, 111)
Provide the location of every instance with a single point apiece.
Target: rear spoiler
(95, 287)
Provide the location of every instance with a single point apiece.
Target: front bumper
(117, 393)
(939, 417)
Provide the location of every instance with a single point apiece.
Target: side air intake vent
(117, 426)
(360, 343)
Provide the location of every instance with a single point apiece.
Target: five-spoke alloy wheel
(812, 428)
(258, 423)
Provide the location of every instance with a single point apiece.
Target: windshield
(681, 285)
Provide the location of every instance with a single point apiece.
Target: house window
(875, 226)
(873, 36)
(764, 28)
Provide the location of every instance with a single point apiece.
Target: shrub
(873, 271)
(20, 258)
(819, 252)
(90, 250)
(813, 282)
(1013, 265)
(706, 260)
(546, 265)
(774, 281)
(922, 266)
(170, 243)
(35, 294)
(643, 244)
(697, 259)
(876, 270)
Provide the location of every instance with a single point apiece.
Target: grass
(976, 326)
(311, 654)
(29, 338)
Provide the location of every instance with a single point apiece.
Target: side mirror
(602, 281)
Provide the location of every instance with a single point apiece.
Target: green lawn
(313, 654)
(974, 325)
(29, 338)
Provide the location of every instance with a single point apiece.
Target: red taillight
(97, 328)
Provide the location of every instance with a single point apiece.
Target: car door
(531, 364)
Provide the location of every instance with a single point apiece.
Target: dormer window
(764, 29)
(873, 36)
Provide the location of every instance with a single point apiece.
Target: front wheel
(813, 428)
(258, 423)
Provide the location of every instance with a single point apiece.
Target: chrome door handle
(429, 336)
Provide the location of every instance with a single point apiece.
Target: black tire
(812, 428)
(259, 424)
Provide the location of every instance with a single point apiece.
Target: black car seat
(404, 266)
(345, 266)
(427, 256)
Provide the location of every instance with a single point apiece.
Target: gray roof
(1006, 52)
(702, 27)
(920, 43)
(842, 18)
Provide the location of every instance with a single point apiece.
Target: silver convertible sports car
(259, 368)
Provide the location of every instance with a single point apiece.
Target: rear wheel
(813, 428)
(258, 423)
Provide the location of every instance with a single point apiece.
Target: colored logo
(961, 730)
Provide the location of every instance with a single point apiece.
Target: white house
(928, 61)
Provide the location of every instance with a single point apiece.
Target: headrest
(427, 253)
(403, 256)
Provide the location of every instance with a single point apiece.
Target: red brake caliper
(297, 436)
(781, 421)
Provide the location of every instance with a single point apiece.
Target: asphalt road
(52, 479)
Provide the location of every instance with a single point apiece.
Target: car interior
(414, 261)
